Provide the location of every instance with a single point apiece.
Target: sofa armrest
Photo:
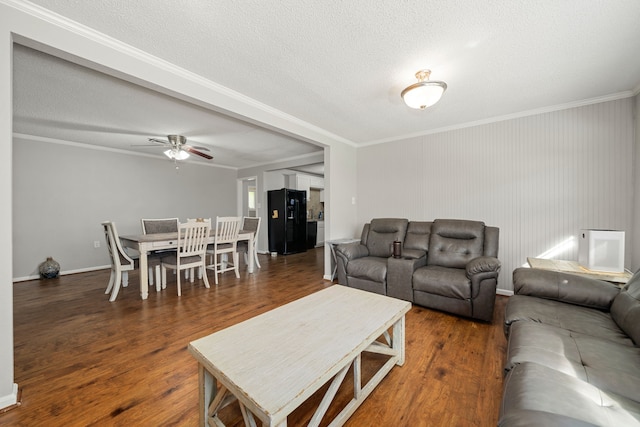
(351, 251)
(345, 253)
(564, 287)
(413, 253)
(400, 276)
(483, 273)
(483, 264)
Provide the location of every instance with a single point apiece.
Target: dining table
(145, 243)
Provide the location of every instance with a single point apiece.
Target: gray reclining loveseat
(448, 264)
(573, 355)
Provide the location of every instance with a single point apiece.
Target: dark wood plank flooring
(81, 360)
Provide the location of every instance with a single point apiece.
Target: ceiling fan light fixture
(425, 93)
(177, 149)
(174, 154)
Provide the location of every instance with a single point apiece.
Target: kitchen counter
(315, 232)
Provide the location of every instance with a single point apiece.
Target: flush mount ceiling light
(176, 154)
(425, 93)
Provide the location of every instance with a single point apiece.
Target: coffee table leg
(247, 416)
(398, 340)
(207, 392)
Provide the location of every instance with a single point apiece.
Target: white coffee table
(273, 362)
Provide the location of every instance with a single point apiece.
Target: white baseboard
(11, 399)
(504, 292)
(62, 273)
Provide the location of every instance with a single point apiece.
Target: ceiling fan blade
(159, 141)
(192, 150)
(200, 148)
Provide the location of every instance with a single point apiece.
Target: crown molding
(284, 160)
(534, 112)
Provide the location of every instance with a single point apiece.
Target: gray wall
(62, 192)
(539, 178)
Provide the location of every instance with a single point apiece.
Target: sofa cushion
(447, 282)
(574, 318)
(605, 364)
(382, 233)
(453, 243)
(417, 237)
(625, 309)
(534, 387)
(370, 268)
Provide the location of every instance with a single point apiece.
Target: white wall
(539, 178)
(63, 192)
(635, 236)
(8, 389)
(340, 197)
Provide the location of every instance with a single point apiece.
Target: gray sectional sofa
(446, 264)
(573, 355)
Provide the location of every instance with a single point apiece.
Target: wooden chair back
(227, 229)
(192, 238)
(119, 257)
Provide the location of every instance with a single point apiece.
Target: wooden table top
(161, 237)
(575, 268)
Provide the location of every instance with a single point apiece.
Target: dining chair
(191, 252)
(155, 226)
(121, 263)
(225, 243)
(250, 224)
(188, 273)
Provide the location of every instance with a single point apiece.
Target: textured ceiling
(340, 66)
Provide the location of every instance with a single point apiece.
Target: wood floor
(81, 360)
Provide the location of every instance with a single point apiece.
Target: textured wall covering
(539, 178)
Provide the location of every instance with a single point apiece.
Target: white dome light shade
(425, 93)
(176, 154)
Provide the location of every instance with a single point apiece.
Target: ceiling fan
(177, 148)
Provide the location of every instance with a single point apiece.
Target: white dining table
(144, 243)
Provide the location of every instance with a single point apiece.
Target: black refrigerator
(287, 221)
